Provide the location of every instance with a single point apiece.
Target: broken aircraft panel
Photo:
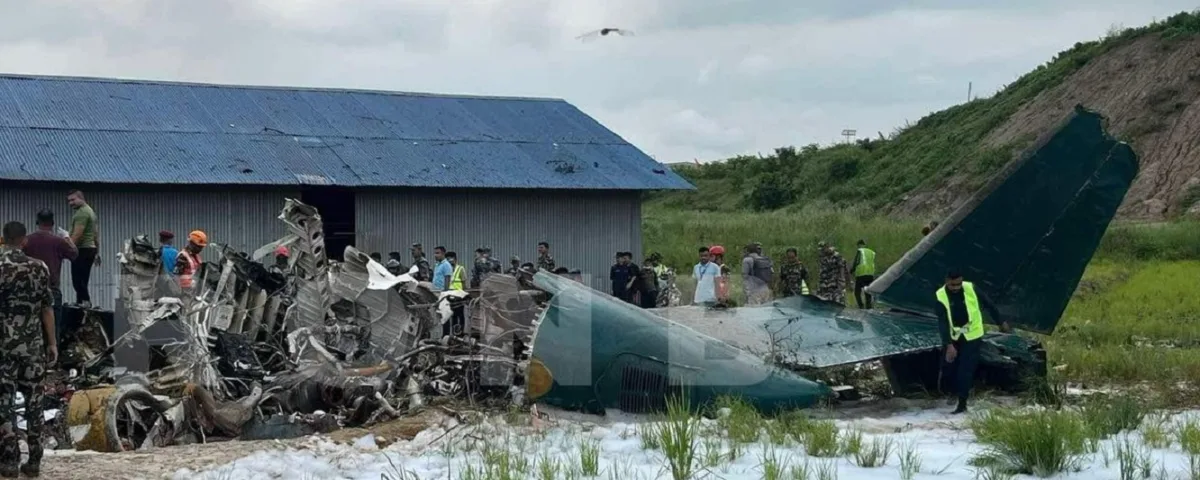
(592, 351)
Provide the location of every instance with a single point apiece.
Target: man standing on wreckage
(27, 347)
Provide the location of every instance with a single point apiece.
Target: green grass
(876, 172)
(1041, 443)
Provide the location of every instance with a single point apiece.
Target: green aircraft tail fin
(1027, 236)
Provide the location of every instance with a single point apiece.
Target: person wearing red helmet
(718, 257)
(187, 265)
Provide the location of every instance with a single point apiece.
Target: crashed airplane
(1024, 240)
(310, 345)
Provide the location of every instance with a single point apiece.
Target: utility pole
(968, 91)
(849, 133)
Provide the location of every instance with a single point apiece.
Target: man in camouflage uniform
(484, 265)
(515, 269)
(793, 277)
(835, 275)
(545, 261)
(424, 271)
(27, 346)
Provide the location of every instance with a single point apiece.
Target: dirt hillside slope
(1148, 90)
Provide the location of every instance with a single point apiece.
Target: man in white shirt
(706, 274)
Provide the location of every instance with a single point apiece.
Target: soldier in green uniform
(545, 261)
(834, 276)
(27, 345)
(793, 277)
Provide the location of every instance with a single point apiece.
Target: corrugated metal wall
(584, 228)
(243, 218)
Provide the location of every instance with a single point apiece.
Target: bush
(1041, 443)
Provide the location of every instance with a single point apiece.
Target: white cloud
(700, 79)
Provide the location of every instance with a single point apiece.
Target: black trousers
(58, 313)
(81, 273)
(860, 283)
(458, 319)
(649, 299)
(959, 375)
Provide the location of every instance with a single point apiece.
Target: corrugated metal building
(386, 169)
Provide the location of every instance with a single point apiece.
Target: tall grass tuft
(802, 471)
(1133, 460)
(677, 435)
(910, 460)
(827, 470)
(547, 468)
(875, 453)
(1113, 415)
(821, 439)
(589, 458)
(1187, 433)
(742, 422)
(773, 467)
(851, 442)
(1041, 443)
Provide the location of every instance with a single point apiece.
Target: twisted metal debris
(271, 352)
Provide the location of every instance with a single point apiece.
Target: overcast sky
(701, 79)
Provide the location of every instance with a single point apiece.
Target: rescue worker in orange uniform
(718, 255)
(187, 265)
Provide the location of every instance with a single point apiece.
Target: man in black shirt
(960, 306)
(622, 275)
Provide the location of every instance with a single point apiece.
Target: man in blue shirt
(443, 270)
(168, 251)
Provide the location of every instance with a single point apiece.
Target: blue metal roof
(129, 131)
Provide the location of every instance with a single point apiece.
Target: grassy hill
(955, 150)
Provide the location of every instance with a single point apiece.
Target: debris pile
(301, 346)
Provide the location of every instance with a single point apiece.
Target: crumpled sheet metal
(807, 333)
(504, 312)
(133, 397)
(394, 328)
(310, 263)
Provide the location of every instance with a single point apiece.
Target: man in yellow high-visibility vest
(960, 321)
(458, 320)
(864, 273)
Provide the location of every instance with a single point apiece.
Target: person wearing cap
(793, 276)
(167, 251)
(834, 276)
(394, 261)
(51, 248)
(282, 256)
(394, 266)
(187, 264)
(424, 271)
(480, 269)
(717, 253)
(515, 268)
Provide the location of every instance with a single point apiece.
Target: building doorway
(336, 207)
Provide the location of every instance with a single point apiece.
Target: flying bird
(604, 32)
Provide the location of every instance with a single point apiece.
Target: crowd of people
(761, 285)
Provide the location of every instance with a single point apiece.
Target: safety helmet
(716, 250)
(198, 237)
